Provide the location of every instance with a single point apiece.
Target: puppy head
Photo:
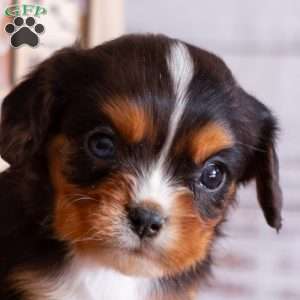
(146, 140)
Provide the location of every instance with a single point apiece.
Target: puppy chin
(136, 264)
(132, 261)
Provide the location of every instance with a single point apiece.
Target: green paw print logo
(24, 32)
(24, 29)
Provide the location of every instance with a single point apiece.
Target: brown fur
(193, 234)
(133, 125)
(208, 140)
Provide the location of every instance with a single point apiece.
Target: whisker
(73, 198)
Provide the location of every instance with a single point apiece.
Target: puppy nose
(145, 222)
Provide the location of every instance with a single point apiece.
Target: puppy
(124, 160)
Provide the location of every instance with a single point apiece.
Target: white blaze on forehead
(156, 184)
(181, 68)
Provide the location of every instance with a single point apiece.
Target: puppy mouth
(143, 247)
(135, 245)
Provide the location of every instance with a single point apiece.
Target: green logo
(25, 10)
(24, 28)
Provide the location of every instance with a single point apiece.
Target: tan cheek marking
(209, 140)
(69, 216)
(86, 216)
(192, 235)
(130, 119)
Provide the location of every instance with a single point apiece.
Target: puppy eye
(212, 176)
(101, 145)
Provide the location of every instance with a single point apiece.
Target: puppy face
(145, 140)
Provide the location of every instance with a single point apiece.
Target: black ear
(33, 108)
(268, 188)
(261, 128)
(25, 118)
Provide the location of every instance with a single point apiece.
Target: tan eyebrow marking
(208, 140)
(129, 118)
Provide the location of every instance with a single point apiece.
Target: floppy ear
(25, 118)
(263, 167)
(33, 109)
(268, 189)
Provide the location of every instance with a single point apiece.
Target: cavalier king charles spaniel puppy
(124, 160)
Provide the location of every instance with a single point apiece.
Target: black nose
(145, 222)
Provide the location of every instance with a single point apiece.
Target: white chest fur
(82, 283)
(108, 285)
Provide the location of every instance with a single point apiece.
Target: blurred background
(260, 42)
